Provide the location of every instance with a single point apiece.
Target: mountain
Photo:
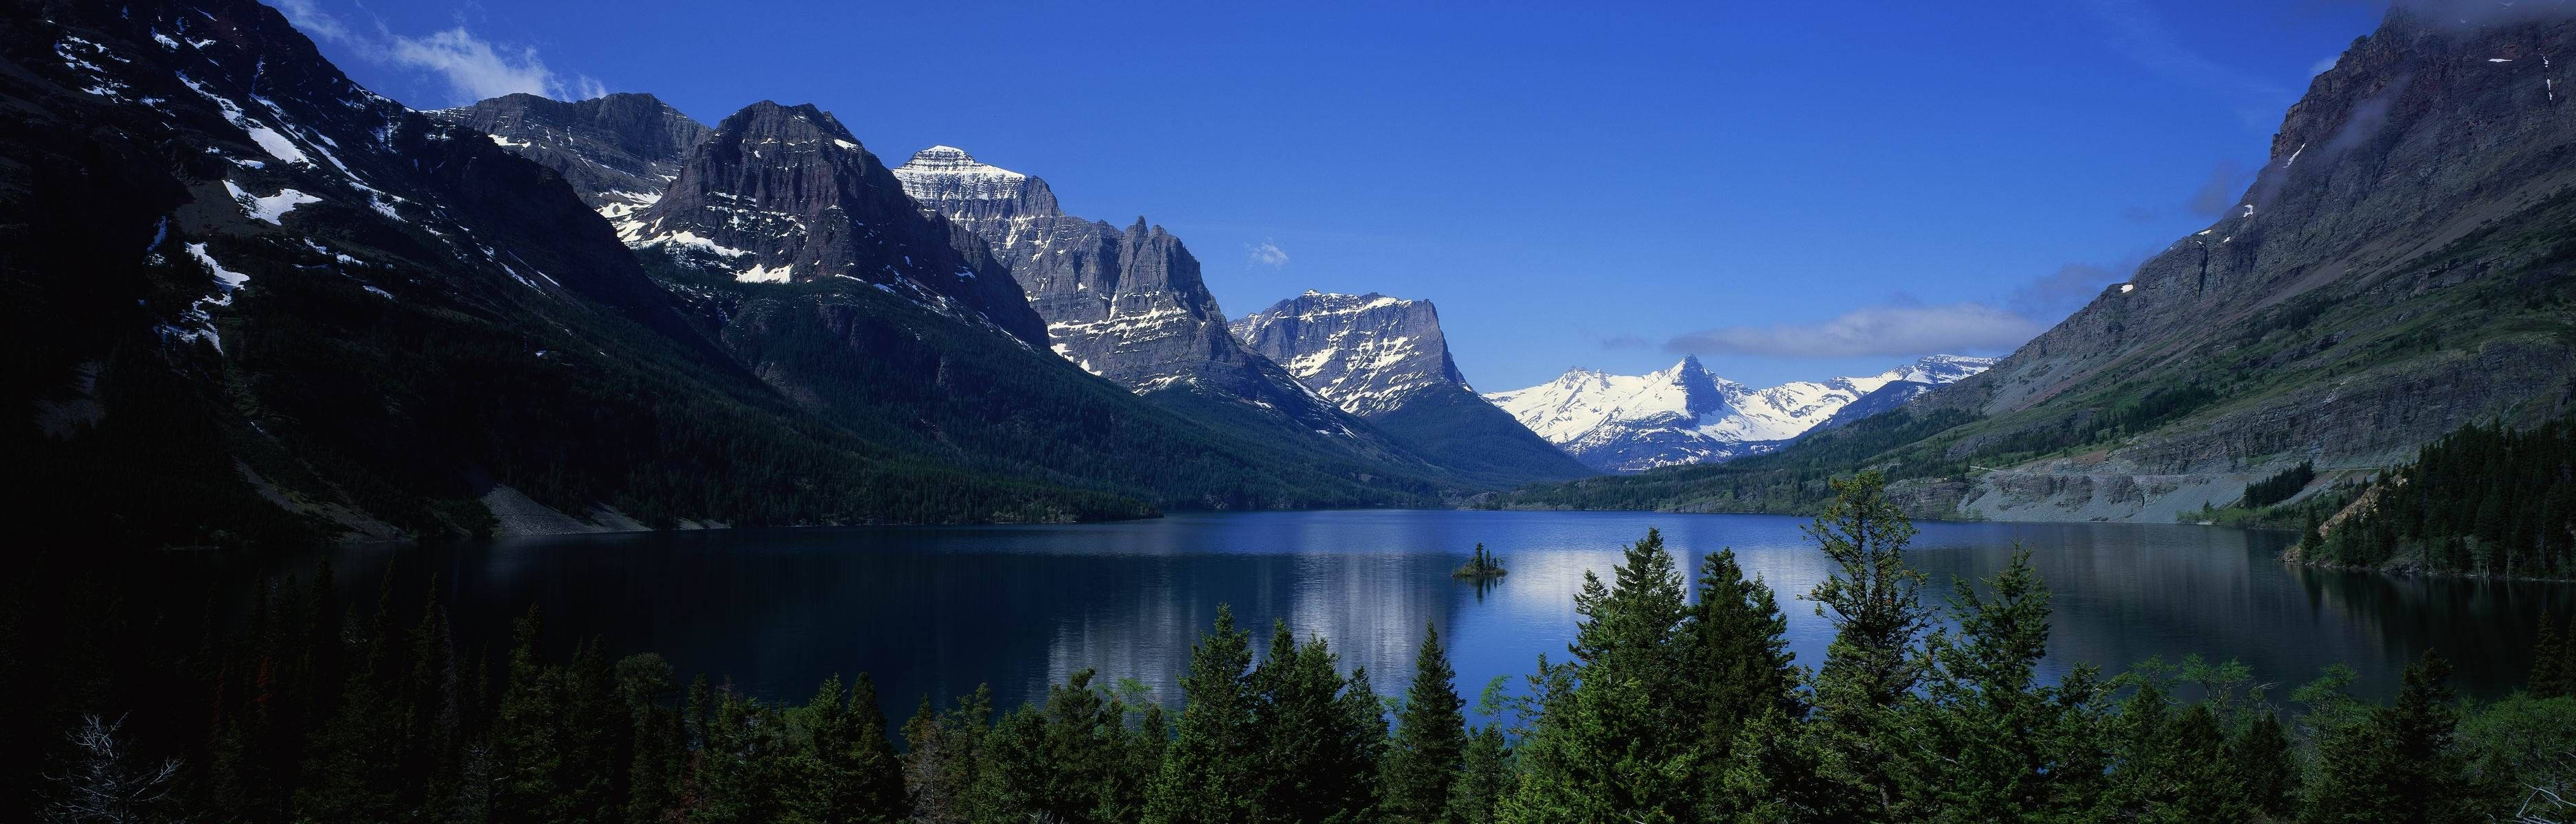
(617, 151)
(1686, 415)
(1385, 360)
(269, 306)
(1129, 305)
(781, 194)
(256, 304)
(2399, 268)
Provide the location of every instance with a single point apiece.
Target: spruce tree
(1874, 602)
(1484, 778)
(2553, 664)
(1615, 741)
(1430, 744)
(2265, 770)
(847, 770)
(1735, 657)
(1977, 745)
(2398, 763)
(1317, 736)
(1209, 765)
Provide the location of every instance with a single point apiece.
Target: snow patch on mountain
(1684, 414)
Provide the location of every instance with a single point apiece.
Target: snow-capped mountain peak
(1684, 414)
(948, 173)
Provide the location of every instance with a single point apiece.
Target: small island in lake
(1481, 567)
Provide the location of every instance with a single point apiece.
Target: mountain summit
(1124, 304)
(618, 151)
(1386, 360)
(1684, 414)
(784, 193)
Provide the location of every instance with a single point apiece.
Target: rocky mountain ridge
(1685, 414)
(1386, 360)
(2398, 269)
(618, 151)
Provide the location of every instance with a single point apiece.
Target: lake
(938, 610)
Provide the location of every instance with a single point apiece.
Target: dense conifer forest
(1677, 702)
(2486, 500)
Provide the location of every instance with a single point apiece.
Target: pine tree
(528, 748)
(1736, 656)
(944, 759)
(2553, 662)
(1318, 737)
(652, 775)
(1430, 744)
(847, 770)
(2265, 770)
(2398, 763)
(1874, 602)
(1209, 765)
(1484, 778)
(1616, 742)
(1977, 747)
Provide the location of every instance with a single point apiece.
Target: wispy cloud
(471, 67)
(2217, 195)
(2054, 296)
(1896, 329)
(1266, 253)
(2137, 33)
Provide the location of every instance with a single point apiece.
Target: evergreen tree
(1614, 741)
(1209, 765)
(1737, 666)
(847, 770)
(1430, 745)
(1874, 602)
(1484, 778)
(2265, 771)
(2553, 663)
(1977, 746)
(2398, 763)
(943, 761)
(1317, 736)
(529, 752)
(652, 786)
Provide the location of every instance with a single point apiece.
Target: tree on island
(1483, 565)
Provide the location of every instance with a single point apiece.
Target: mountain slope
(1686, 415)
(618, 151)
(1385, 360)
(785, 194)
(269, 305)
(2399, 268)
(1129, 305)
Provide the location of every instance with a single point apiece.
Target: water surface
(938, 610)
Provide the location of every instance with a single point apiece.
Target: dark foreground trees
(1677, 702)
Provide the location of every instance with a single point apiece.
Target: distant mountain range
(2399, 268)
(1686, 415)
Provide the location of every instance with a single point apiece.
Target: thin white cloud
(2139, 34)
(471, 67)
(1895, 330)
(1266, 253)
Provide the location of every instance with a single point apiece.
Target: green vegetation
(2485, 500)
(1482, 566)
(2506, 284)
(1673, 706)
(2280, 486)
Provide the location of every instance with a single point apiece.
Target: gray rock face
(1386, 360)
(2369, 293)
(618, 151)
(784, 194)
(1127, 305)
(1368, 353)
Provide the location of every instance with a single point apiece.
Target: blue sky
(1790, 190)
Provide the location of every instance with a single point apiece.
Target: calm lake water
(938, 610)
